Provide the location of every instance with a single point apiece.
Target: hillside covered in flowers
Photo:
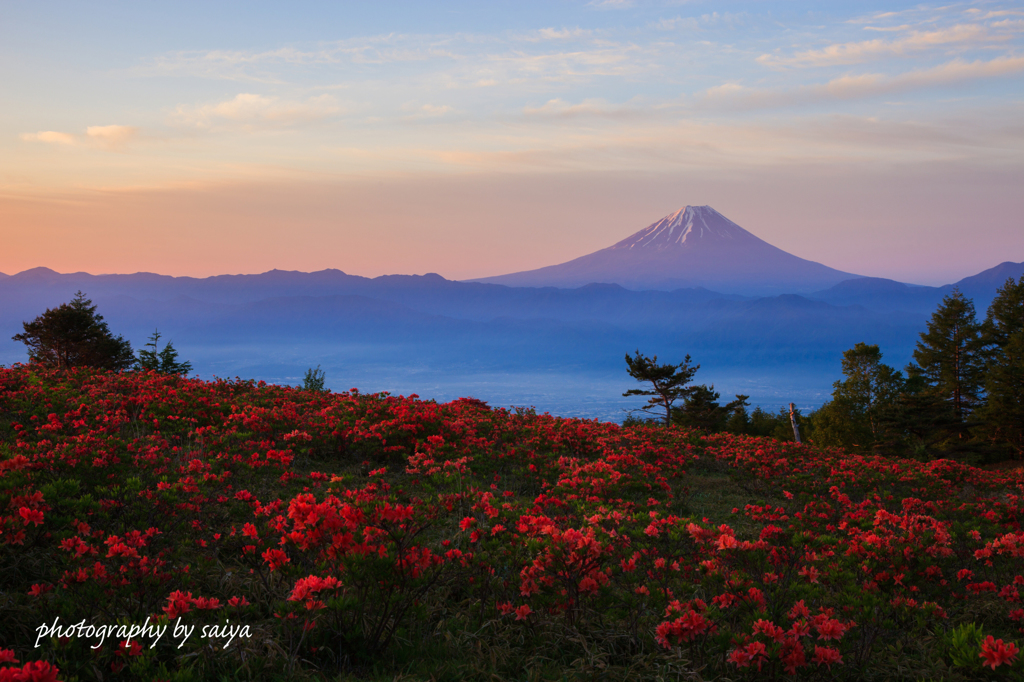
(310, 535)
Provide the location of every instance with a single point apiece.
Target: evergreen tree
(164, 361)
(668, 382)
(314, 380)
(855, 417)
(1005, 315)
(701, 409)
(949, 357)
(1003, 333)
(1003, 413)
(764, 423)
(75, 335)
(922, 424)
(738, 420)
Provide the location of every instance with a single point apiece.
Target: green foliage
(75, 335)
(1004, 413)
(858, 416)
(949, 356)
(963, 644)
(314, 380)
(1003, 334)
(702, 411)
(1005, 316)
(164, 360)
(668, 382)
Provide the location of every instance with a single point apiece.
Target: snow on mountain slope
(694, 247)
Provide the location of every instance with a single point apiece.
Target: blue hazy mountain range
(558, 348)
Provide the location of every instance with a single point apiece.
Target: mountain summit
(692, 227)
(694, 247)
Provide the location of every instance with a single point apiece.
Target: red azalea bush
(340, 529)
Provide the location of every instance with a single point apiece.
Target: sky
(473, 139)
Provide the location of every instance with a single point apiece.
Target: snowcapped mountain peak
(694, 247)
(689, 227)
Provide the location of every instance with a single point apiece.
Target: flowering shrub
(344, 527)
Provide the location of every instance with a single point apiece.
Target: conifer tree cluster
(164, 361)
(961, 397)
(75, 335)
(670, 383)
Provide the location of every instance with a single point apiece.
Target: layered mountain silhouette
(694, 247)
(414, 333)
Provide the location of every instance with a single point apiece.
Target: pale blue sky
(478, 138)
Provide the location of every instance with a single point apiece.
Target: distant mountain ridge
(889, 295)
(427, 329)
(694, 247)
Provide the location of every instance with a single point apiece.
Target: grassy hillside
(352, 536)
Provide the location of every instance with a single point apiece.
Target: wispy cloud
(560, 34)
(421, 111)
(982, 14)
(112, 137)
(595, 106)
(265, 66)
(607, 60)
(252, 111)
(713, 19)
(49, 136)
(858, 52)
(611, 4)
(732, 95)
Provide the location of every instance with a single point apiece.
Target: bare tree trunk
(792, 420)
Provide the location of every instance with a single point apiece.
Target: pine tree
(1003, 333)
(701, 410)
(668, 381)
(855, 415)
(1003, 414)
(949, 357)
(1005, 315)
(75, 335)
(315, 380)
(922, 424)
(164, 361)
(739, 419)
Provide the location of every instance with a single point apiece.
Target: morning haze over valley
(762, 322)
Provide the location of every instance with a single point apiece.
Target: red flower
(131, 648)
(178, 603)
(996, 653)
(740, 658)
(769, 630)
(207, 603)
(31, 515)
(276, 558)
(793, 656)
(34, 671)
(751, 654)
(828, 628)
(799, 610)
(826, 655)
(523, 611)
